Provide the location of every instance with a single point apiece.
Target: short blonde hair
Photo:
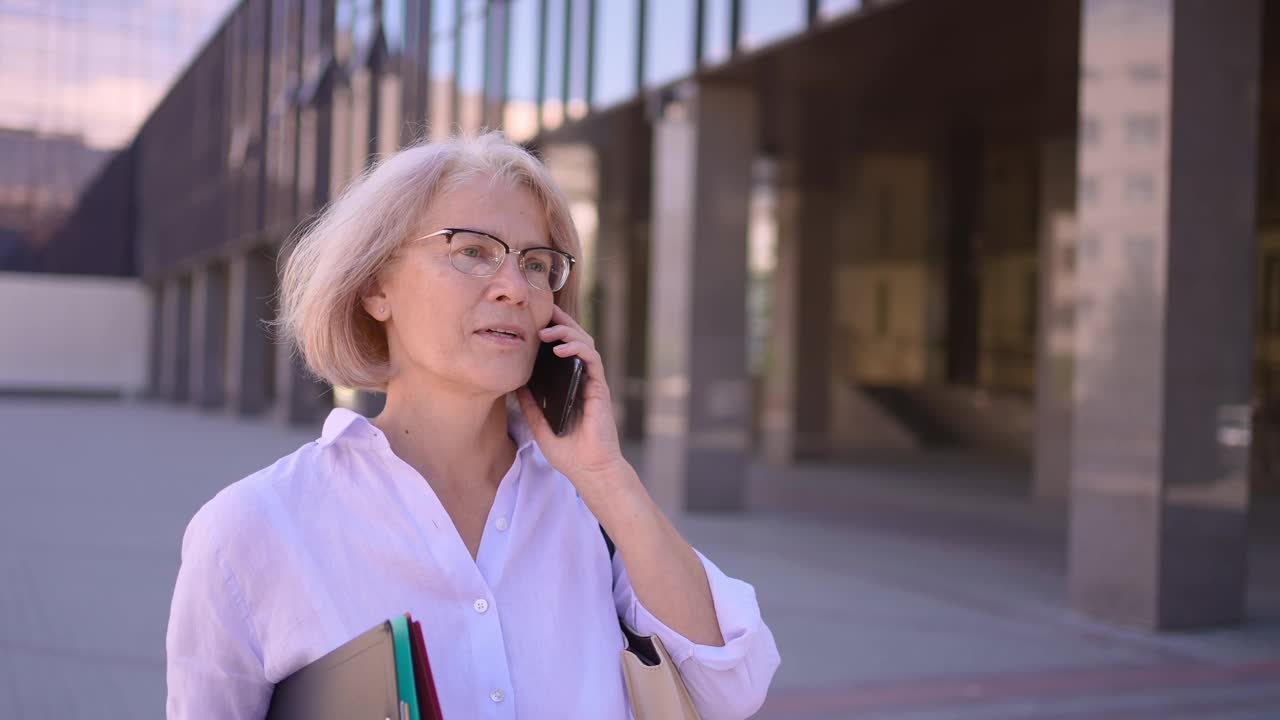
(333, 261)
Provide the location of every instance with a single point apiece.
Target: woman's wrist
(614, 492)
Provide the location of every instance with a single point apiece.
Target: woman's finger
(560, 317)
(566, 333)
(588, 354)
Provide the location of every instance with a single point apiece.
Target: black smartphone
(555, 384)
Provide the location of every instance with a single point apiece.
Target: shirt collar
(343, 422)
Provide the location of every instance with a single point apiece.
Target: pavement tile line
(1177, 710)
(797, 703)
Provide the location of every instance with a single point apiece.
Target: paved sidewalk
(898, 589)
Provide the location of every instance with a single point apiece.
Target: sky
(96, 68)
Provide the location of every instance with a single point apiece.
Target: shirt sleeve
(213, 659)
(725, 683)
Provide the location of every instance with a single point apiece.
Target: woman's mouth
(502, 337)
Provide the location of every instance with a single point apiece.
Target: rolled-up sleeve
(725, 683)
(213, 660)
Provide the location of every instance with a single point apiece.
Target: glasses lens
(546, 269)
(475, 254)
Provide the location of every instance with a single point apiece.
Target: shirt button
(497, 695)
(502, 524)
(481, 605)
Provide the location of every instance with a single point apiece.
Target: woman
(435, 278)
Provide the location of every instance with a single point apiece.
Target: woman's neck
(458, 441)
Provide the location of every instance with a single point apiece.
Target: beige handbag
(653, 682)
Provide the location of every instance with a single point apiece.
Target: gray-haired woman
(435, 278)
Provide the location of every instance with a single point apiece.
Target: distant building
(815, 228)
(40, 177)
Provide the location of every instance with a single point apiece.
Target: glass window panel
(440, 101)
(361, 111)
(617, 35)
(343, 19)
(764, 21)
(444, 16)
(471, 72)
(390, 114)
(716, 29)
(520, 114)
(363, 24)
(579, 38)
(393, 25)
(669, 40)
(496, 48)
(553, 73)
(831, 8)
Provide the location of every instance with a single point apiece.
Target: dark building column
(1160, 435)
(155, 352)
(957, 203)
(622, 267)
(300, 398)
(797, 385)
(698, 418)
(250, 353)
(176, 345)
(1055, 339)
(209, 336)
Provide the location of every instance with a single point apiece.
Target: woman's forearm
(666, 574)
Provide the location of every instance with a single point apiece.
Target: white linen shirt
(293, 561)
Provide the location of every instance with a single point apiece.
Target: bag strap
(608, 542)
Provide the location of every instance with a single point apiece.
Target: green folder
(404, 666)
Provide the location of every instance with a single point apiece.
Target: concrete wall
(67, 333)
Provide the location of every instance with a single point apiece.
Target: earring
(382, 311)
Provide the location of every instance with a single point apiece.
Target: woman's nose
(509, 282)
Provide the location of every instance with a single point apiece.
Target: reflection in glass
(471, 69)
(343, 18)
(1142, 129)
(553, 75)
(390, 90)
(520, 114)
(669, 40)
(716, 31)
(579, 39)
(440, 102)
(363, 26)
(833, 8)
(764, 21)
(393, 26)
(617, 30)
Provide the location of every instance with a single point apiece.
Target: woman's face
(439, 319)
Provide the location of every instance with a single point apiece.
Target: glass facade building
(814, 228)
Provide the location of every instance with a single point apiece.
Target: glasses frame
(448, 234)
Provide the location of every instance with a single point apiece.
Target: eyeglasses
(480, 254)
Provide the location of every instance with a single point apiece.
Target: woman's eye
(470, 251)
(536, 267)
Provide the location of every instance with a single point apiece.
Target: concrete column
(1160, 431)
(699, 413)
(622, 267)
(250, 354)
(176, 345)
(209, 336)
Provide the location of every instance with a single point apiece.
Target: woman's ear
(374, 301)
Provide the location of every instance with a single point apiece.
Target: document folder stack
(383, 673)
